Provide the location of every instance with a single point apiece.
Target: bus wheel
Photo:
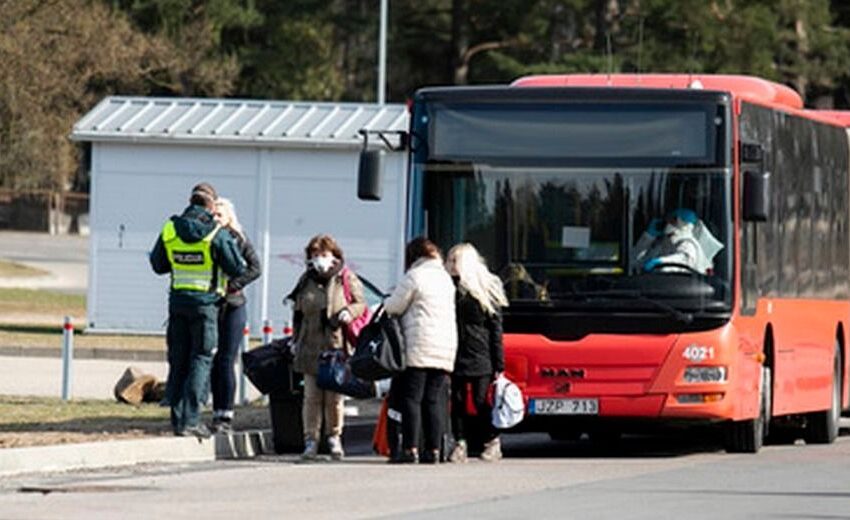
(748, 436)
(822, 427)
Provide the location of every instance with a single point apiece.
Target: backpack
(379, 353)
(352, 330)
(508, 403)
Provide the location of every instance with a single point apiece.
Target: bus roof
(841, 117)
(747, 87)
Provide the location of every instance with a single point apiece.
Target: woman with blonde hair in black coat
(480, 356)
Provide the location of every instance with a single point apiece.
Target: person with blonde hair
(232, 317)
(321, 311)
(480, 357)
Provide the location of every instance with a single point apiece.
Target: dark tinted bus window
(803, 249)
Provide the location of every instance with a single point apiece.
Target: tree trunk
(606, 15)
(801, 82)
(459, 43)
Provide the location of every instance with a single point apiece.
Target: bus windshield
(645, 231)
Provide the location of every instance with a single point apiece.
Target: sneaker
(492, 450)
(200, 431)
(335, 447)
(459, 453)
(311, 450)
(221, 425)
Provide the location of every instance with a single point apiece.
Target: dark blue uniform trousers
(191, 336)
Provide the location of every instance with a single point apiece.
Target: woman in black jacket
(480, 356)
(231, 320)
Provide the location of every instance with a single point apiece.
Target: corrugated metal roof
(232, 121)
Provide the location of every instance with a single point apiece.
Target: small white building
(290, 168)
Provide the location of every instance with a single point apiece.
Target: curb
(89, 455)
(357, 437)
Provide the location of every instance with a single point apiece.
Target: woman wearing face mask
(480, 356)
(320, 313)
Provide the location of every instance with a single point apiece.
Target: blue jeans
(231, 322)
(191, 336)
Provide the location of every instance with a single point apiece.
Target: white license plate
(564, 407)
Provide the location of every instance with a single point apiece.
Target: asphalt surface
(642, 477)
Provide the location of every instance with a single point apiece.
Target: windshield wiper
(684, 317)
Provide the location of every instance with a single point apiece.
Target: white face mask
(671, 229)
(323, 263)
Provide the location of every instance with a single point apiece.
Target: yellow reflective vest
(192, 267)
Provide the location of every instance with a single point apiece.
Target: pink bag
(352, 330)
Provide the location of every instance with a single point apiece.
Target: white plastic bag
(508, 404)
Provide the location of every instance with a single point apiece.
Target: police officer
(199, 254)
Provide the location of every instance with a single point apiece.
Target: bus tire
(822, 427)
(748, 436)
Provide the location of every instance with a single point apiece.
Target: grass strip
(33, 301)
(53, 414)
(16, 270)
(41, 421)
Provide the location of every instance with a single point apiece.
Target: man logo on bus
(577, 373)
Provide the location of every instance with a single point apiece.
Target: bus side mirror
(756, 195)
(369, 174)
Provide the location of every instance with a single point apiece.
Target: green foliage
(277, 72)
(59, 57)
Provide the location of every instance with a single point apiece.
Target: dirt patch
(16, 270)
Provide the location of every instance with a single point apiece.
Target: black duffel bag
(269, 367)
(379, 353)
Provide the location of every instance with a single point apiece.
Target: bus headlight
(705, 375)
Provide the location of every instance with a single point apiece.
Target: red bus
(558, 179)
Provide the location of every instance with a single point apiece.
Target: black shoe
(200, 431)
(406, 457)
(430, 457)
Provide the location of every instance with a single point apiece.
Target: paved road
(64, 257)
(645, 478)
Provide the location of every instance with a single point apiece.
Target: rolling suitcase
(285, 404)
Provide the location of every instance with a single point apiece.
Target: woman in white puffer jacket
(425, 302)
